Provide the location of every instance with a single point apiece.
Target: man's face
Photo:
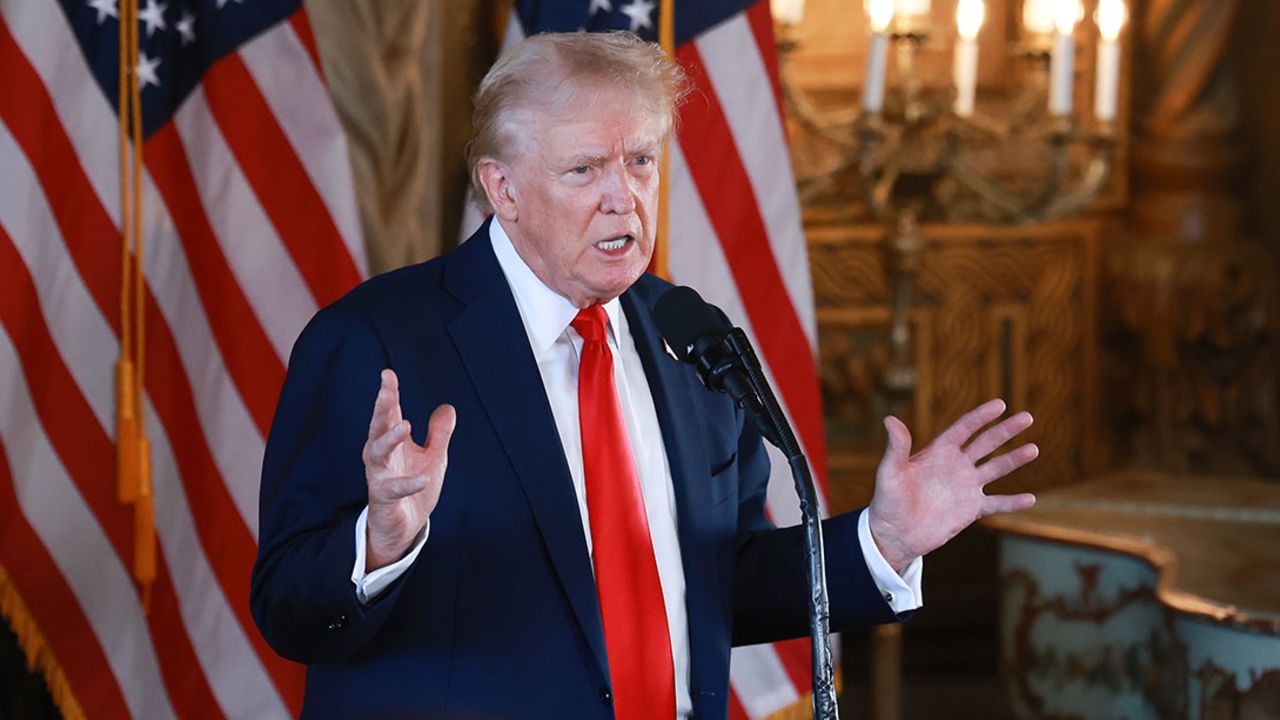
(584, 188)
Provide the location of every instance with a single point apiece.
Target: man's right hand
(404, 478)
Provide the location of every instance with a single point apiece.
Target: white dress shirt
(556, 346)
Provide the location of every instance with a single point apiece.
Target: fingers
(1007, 503)
(899, 448)
(973, 421)
(396, 488)
(378, 449)
(386, 407)
(1002, 465)
(994, 437)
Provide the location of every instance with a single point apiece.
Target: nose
(617, 192)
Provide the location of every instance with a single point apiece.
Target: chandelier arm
(1060, 139)
(806, 114)
(983, 186)
(1085, 194)
(878, 176)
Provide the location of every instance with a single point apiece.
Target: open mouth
(614, 245)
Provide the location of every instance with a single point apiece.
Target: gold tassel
(133, 449)
(128, 441)
(39, 656)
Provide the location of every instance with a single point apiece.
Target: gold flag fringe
(39, 655)
(802, 709)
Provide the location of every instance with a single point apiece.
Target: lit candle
(880, 14)
(787, 12)
(1062, 65)
(1037, 17)
(969, 16)
(1110, 18)
(910, 8)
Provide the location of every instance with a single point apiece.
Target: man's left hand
(921, 501)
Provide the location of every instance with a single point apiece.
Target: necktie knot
(591, 322)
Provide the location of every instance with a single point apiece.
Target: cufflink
(888, 597)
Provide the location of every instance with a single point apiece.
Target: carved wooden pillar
(1194, 345)
(1186, 160)
(382, 61)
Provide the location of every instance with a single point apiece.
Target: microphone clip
(724, 364)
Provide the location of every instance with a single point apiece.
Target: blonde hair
(550, 70)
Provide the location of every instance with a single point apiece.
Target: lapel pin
(670, 353)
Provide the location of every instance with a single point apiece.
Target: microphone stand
(824, 691)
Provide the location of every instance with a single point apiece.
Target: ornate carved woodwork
(381, 63)
(998, 312)
(1193, 357)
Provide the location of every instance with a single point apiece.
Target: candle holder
(913, 158)
(915, 138)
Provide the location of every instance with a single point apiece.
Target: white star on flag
(223, 3)
(600, 6)
(105, 8)
(641, 14)
(186, 27)
(153, 16)
(146, 71)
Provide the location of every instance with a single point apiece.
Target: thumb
(440, 429)
(899, 448)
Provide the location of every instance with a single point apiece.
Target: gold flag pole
(661, 251)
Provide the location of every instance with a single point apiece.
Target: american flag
(736, 236)
(249, 226)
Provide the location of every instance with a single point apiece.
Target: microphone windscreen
(683, 317)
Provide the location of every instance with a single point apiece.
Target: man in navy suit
(436, 557)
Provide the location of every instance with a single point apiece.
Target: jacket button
(605, 696)
(337, 623)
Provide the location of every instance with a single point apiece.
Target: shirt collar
(545, 312)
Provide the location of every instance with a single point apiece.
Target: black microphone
(700, 334)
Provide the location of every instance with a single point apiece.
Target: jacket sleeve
(313, 490)
(770, 590)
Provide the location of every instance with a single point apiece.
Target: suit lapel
(494, 347)
(673, 387)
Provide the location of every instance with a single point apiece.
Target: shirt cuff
(902, 592)
(369, 586)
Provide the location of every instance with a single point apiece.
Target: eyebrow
(590, 159)
(641, 147)
(645, 148)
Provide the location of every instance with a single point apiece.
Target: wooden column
(1193, 349)
(382, 61)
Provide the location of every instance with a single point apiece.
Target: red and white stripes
(737, 237)
(251, 226)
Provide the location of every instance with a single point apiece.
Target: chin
(606, 291)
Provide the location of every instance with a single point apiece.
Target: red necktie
(635, 619)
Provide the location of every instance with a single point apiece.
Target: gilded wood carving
(1002, 312)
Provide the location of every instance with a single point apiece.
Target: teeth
(613, 244)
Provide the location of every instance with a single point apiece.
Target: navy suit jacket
(498, 616)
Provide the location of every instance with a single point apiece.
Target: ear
(495, 178)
